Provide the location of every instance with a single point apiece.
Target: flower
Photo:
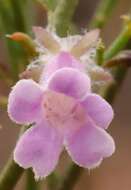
(63, 112)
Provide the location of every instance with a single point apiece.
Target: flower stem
(17, 8)
(102, 13)
(11, 172)
(119, 44)
(3, 101)
(61, 18)
(53, 181)
(100, 49)
(10, 175)
(119, 73)
(31, 184)
(72, 175)
(12, 19)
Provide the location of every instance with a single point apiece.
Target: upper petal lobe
(62, 60)
(70, 82)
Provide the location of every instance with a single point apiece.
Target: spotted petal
(24, 104)
(71, 82)
(39, 148)
(89, 145)
(99, 110)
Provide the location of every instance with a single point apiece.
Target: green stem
(11, 172)
(119, 72)
(61, 18)
(31, 184)
(72, 175)
(19, 17)
(53, 181)
(103, 13)
(12, 19)
(119, 75)
(10, 175)
(3, 101)
(6, 21)
(119, 44)
(100, 49)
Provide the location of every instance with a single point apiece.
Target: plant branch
(12, 19)
(11, 172)
(119, 73)
(53, 181)
(3, 101)
(61, 18)
(119, 44)
(73, 174)
(103, 13)
(10, 175)
(19, 20)
(31, 184)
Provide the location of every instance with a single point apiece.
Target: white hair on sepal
(86, 42)
(84, 45)
(86, 51)
(40, 48)
(89, 56)
(98, 86)
(100, 78)
(68, 42)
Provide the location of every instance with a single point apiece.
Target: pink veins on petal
(64, 113)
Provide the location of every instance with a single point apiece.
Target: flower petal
(24, 104)
(39, 148)
(71, 82)
(99, 110)
(63, 59)
(89, 145)
(63, 112)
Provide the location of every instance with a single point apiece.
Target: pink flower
(64, 113)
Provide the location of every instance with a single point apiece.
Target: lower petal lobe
(39, 148)
(89, 145)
